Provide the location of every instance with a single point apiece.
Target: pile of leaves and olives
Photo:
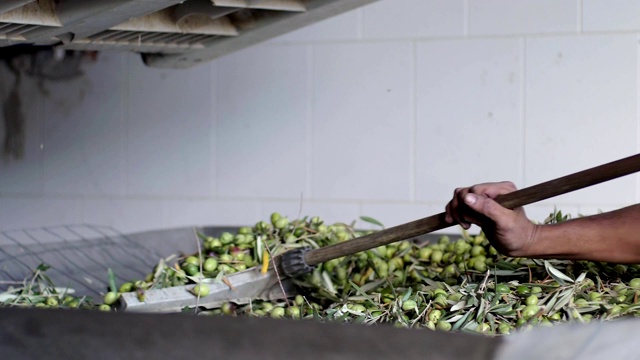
(447, 285)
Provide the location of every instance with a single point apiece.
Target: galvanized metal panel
(7, 5)
(59, 334)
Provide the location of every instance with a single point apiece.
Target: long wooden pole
(512, 200)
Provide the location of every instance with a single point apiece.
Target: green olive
(52, 301)
(226, 238)
(443, 325)
(530, 311)
(532, 300)
(275, 217)
(225, 258)
(409, 305)
(245, 230)
(200, 290)
(425, 253)
(480, 266)
(230, 308)
(477, 250)
(191, 269)
(581, 303)
(436, 256)
(434, 315)
(635, 283)
(293, 312)
(110, 298)
(210, 265)
(126, 287)
(104, 307)
(281, 223)
(192, 260)
(504, 328)
(277, 312)
(502, 289)
(523, 290)
(615, 310)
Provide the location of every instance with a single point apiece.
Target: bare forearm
(612, 237)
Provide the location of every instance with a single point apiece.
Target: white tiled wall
(381, 111)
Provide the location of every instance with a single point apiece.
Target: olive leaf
(459, 305)
(581, 277)
(326, 279)
(43, 267)
(364, 294)
(454, 318)
(556, 274)
(112, 281)
(371, 220)
(463, 320)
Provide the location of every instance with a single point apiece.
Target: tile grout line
(213, 188)
(579, 17)
(523, 107)
(467, 20)
(125, 125)
(216, 186)
(413, 124)
(310, 120)
(460, 37)
(637, 112)
(41, 111)
(127, 114)
(360, 26)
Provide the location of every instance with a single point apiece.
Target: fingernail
(470, 199)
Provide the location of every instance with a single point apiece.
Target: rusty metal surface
(60, 334)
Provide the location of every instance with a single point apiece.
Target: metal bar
(19, 30)
(158, 37)
(11, 27)
(100, 36)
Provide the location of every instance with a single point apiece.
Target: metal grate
(15, 32)
(169, 33)
(80, 255)
(142, 41)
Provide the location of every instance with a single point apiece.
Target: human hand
(509, 231)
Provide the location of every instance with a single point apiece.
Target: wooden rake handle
(511, 200)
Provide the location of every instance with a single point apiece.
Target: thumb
(486, 206)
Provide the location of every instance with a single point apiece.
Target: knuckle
(509, 185)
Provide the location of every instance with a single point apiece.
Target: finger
(458, 208)
(447, 217)
(493, 189)
(487, 207)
